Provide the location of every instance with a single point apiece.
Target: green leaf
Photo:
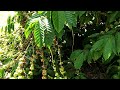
(14, 67)
(58, 18)
(87, 47)
(49, 34)
(29, 29)
(94, 35)
(108, 60)
(9, 24)
(48, 15)
(113, 16)
(117, 37)
(110, 32)
(86, 53)
(98, 45)
(71, 20)
(75, 54)
(60, 34)
(34, 16)
(118, 15)
(1, 73)
(42, 30)
(38, 35)
(89, 58)
(78, 57)
(81, 13)
(97, 55)
(79, 61)
(7, 60)
(83, 19)
(82, 75)
(8, 19)
(9, 28)
(104, 36)
(6, 28)
(108, 48)
(30, 25)
(12, 23)
(114, 45)
(12, 26)
(40, 12)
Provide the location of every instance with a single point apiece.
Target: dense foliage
(61, 45)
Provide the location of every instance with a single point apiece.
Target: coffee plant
(61, 45)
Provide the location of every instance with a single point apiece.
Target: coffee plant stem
(61, 67)
(44, 71)
(59, 54)
(54, 66)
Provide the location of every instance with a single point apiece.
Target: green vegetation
(60, 45)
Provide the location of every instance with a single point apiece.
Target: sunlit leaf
(30, 25)
(108, 60)
(12, 26)
(9, 24)
(9, 28)
(49, 33)
(43, 31)
(40, 12)
(12, 23)
(29, 29)
(38, 35)
(34, 16)
(7, 60)
(1, 73)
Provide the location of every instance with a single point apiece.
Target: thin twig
(73, 40)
